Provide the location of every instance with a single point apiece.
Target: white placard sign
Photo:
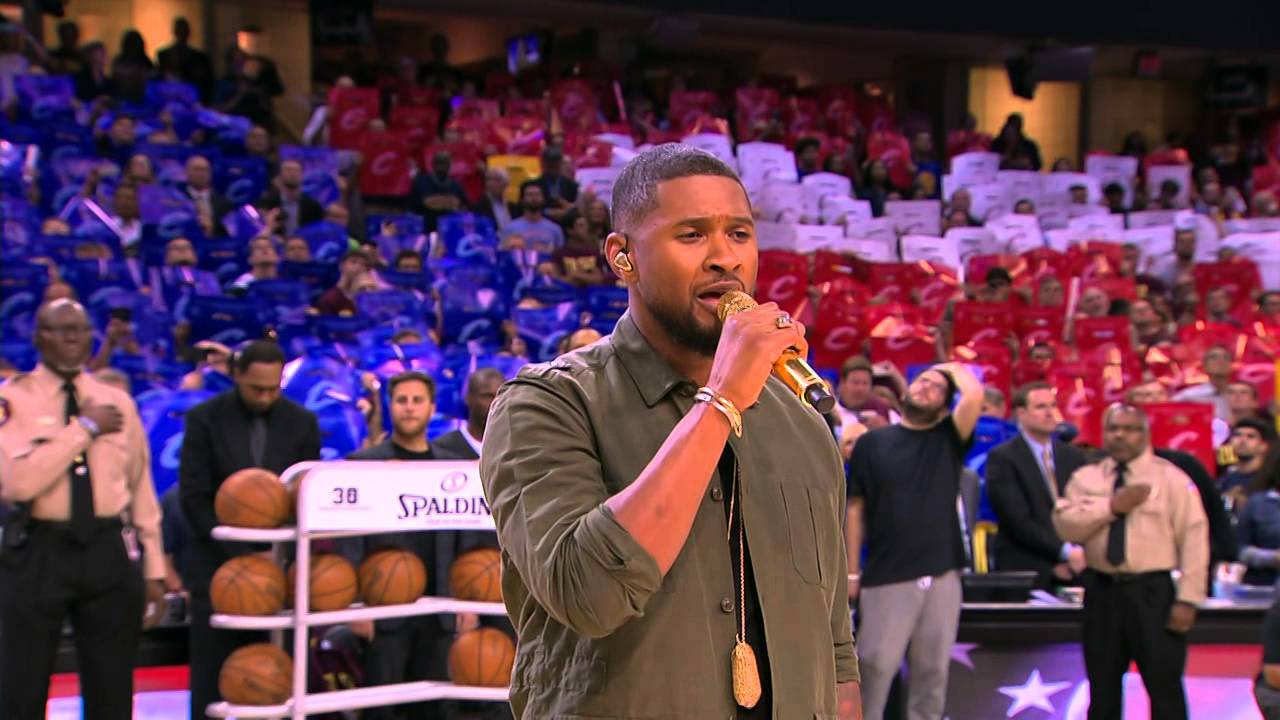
(879, 229)
(1057, 187)
(1119, 169)
(820, 186)
(761, 162)
(1053, 215)
(776, 236)
(1154, 242)
(1111, 224)
(870, 250)
(1253, 225)
(936, 250)
(1021, 185)
(975, 168)
(811, 238)
(394, 496)
(1062, 239)
(970, 241)
(781, 202)
(616, 140)
(1157, 175)
(841, 210)
(1151, 218)
(1016, 233)
(989, 201)
(915, 217)
(599, 180)
(714, 143)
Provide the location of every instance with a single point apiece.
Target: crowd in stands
(439, 220)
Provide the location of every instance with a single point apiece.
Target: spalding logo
(354, 119)
(453, 482)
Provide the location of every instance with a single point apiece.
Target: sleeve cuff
(620, 552)
(1064, 552)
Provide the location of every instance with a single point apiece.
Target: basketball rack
(354, 498)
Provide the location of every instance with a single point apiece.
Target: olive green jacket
(602, 633)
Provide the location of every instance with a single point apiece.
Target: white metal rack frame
(351, 498)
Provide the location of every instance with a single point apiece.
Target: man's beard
(683, 327)
(919, 414)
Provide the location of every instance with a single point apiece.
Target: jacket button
(726, 604)
(717, 494)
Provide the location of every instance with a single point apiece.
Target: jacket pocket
(802, 527)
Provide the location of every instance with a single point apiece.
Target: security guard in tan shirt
(1139, 518)
(85, 530)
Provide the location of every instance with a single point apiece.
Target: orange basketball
(247, 585)
(477, 575)
(392, 577)
(332, 583)
(252, 498)
(482, 657)
(258, 674)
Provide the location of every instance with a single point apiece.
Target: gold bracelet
(724, 405)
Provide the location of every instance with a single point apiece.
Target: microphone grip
(806, 383)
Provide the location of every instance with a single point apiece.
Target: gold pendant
(746, 676)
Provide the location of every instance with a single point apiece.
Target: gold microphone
(790, 368)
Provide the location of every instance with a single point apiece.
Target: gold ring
(784, 321)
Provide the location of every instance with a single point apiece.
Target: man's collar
(653, 376)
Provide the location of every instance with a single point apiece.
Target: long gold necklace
(746, 672)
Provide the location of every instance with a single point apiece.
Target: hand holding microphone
(758, 340)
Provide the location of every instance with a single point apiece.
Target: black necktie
(81, 485)
(257, 439)
(1115, 534)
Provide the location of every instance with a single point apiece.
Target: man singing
(668, 513)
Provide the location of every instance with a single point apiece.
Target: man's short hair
(399, 337)
(405, 254)
(356, 255)
(1022, 395)
(1248, 386)
(805, 143)
(635, 193)
(481, 374)
(1262, 299)
(855, 364)
(409, 375)
(528, 184)
(1265, 429)
(257, 351)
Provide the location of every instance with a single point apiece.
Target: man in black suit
(211, 206)
(250, 425)
(1025, 477)
(297, 209)
(493, 203)
(482, 387)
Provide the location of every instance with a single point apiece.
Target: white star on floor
(1032, 694)
(960, 653)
